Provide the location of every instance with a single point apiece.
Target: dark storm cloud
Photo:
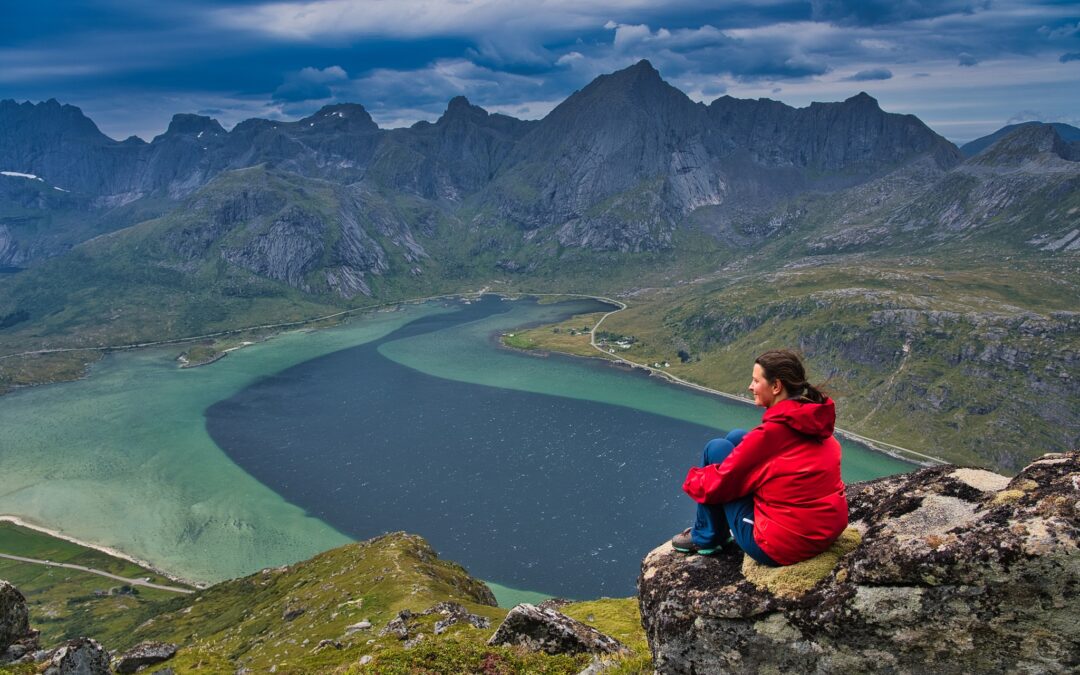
(405, 59)
(309, 84)
(872, 74)
(876, 12)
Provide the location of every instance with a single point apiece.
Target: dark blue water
(530, 491)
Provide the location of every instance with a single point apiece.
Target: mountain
(617, 166)
(729, 225)
(1068, 133)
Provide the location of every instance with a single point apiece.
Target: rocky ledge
(958, 570)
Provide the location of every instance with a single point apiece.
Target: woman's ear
(777, 387)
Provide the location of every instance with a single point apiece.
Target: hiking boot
(684, 543)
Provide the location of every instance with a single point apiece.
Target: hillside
(279, 618)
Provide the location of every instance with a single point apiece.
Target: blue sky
(964, 67)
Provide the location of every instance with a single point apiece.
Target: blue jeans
(715, 522)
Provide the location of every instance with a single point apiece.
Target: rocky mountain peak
(342, 116)
(460, 108)
(59, 120)
(640, 83)
(187, 124)
(862, 98)
(1026, 143)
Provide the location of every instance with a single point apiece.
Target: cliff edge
(958, 570)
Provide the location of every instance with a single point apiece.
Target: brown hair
(786, 366)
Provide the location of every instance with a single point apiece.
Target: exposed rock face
(14, 616)
(403, 625)
(615, 167)
(144, 654)
(81, 656)
(551, 631)
(959, 570)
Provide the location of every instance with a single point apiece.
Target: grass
(254, 622)
(66, 603)
(569, 337)
(895, 378)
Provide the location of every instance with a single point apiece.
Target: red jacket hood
(812, 419)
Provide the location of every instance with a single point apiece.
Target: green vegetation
(278, 617)
(570, 337)
(66, 603)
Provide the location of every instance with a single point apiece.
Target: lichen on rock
(948, 573)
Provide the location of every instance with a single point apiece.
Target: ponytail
(786, 366)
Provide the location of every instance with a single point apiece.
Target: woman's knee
(735, 436)
(716, 451)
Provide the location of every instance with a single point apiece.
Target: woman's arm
(737, 476)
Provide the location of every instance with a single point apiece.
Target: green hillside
(278, 617)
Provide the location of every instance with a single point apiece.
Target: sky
(965, 67)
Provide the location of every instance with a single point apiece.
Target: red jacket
(791, 465)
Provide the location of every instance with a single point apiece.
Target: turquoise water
(466, 353)
(123, 458)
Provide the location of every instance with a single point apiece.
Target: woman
(777, 489)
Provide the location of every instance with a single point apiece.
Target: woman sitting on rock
(775, 490)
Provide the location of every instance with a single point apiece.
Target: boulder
(550, 631)
(14, 615)
(143, 654)
(17, 641)
(81, 656)
(959, 568)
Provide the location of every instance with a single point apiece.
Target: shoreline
(115, 553)
(304, 326)
(888, 449)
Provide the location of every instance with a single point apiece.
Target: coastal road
(126, 580)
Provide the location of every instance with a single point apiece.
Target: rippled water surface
(550, 474)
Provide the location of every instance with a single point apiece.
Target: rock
(143, 654)
(399, 625)
(366, 659)
(14, 615)
(81, 656)
(359, 626)
(17, 639)
(453, 613)
(291, 613)
(552, 632)
(957, 567)
(325, 644)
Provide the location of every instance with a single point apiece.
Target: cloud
(743, 53)
(871, 74)
(1065, 30)
(1071, 56)
(967, 60)
(309, 84)
(878, 12)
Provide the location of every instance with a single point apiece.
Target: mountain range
(628, 186)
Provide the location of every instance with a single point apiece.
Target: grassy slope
(242, 623)
(62, 601)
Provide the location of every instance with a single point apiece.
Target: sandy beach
(22, 522)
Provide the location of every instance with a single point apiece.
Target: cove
(122, 459)
(553, 474)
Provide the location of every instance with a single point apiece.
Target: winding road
(126, 580)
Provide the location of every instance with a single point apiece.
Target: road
(126, 580)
